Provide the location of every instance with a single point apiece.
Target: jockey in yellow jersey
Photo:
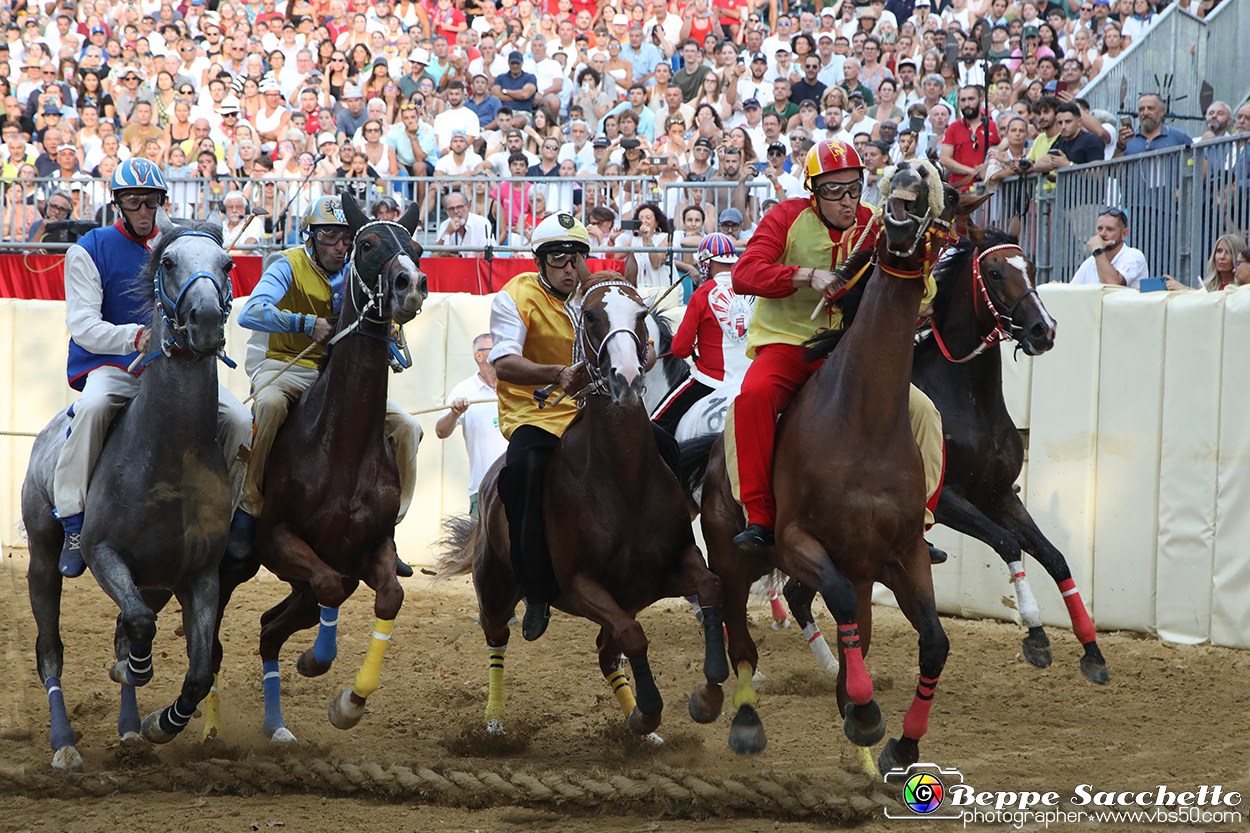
(789, 265)
(531, 322)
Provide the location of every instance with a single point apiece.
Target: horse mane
(143, 287)
(953, 265)
(675, 370)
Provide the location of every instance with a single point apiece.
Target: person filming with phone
(1111, 261)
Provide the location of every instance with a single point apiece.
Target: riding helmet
(324, 211)
(561, 232)
(138, 174)
(829, 155)
(718, 248)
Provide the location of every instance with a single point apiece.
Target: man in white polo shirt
(1112, 262)
(480, 421)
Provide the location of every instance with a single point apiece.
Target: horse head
(612, 335)
(1007, 278)
(191, 276)
(387, 283)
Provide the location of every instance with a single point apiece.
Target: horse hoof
(67, 759)
(344, 713)
(643, 724)
(1095, 670)
(1037, 649)
(494, 727)
(282, 735)
(308, 666)
(864, 725)
(120, 674)
(781, 625)
(746, 734)
(152, 731)
(898, 754)
(705, 703)
(131, 737)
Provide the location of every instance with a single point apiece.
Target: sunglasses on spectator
(59, 209)
(133, 202)
(834, 191)
(330, 236)
(1113, 212)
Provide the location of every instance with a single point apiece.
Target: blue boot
(239, 546)
(71, 564)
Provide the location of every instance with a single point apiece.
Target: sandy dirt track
(1173, 715)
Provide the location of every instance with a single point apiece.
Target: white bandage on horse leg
(1025, 602)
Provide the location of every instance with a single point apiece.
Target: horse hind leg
(229, 579)
(913, 587)
(295, 613)
(800, 597)
(199, 611)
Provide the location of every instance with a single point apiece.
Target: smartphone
(1126, 121)
(917, 124)
(1052, 152)
(1155, 284)
(1061, 86)
(630, 225)
(657, 160)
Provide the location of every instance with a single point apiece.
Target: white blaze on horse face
(1022, 264)
(623, 351)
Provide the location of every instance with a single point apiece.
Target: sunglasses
(133, 202)
(1113, 212)
(59, 209)
(330, 236)
(834, 191)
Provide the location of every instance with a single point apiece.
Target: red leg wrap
(1081, 623)
(779, 610)
(858, 683)
(916, 721)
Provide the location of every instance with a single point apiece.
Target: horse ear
(356, 218)
(969, 203)
(409, 220)
(164, 227)
(214, 219)
(951, 202)
(975, 233)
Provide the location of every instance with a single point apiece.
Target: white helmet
(561, 232)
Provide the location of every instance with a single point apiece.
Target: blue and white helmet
(715, 248)
(139, 173)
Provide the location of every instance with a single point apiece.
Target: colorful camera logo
(923, 793)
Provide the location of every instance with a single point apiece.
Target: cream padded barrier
(1063, 418)
(1130, 399)
(1230, 613)
(1188, 464)
(1017, 383)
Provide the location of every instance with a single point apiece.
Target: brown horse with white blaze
(849, 488)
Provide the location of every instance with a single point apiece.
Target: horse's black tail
(694, 457)
(458, 546)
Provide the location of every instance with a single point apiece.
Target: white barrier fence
(1138, 469)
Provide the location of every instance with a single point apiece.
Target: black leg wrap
(174, 719)
(645, 692)
(715, 661)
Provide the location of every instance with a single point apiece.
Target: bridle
(1005, 327)
(598, 384)
(355, 281)
(168, 306)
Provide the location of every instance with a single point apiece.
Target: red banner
(42, 277)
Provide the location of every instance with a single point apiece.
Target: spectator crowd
(656, 123)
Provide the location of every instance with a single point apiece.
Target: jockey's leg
(234, 435)
(750, 428)
(669, 450)
(926, 427)
(521, 490)
(404, 434)
(680, 400)
(106, 390)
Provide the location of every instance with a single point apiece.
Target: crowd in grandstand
(698, 113)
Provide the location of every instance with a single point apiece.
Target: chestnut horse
(850, 492)
(329, 520)
(985, 296)
(617, 524)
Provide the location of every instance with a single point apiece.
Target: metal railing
(1189, 49)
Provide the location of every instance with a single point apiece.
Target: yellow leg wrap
(745, 693)
(370, 675)
(494, 700)
(619, 683)
(866, 763)
(212, 712)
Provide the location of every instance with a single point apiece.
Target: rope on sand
(841, 797)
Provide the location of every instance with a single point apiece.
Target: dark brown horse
(329, 516)
(986, 295)
(617, 525)
(850, 493)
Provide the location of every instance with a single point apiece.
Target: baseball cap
(271, 86)
(807, 102)
(620, 20)
(1031, 32)
(516, 58)
(906, 62)
(50, 108)
(730, 215)
(703, 142)
(326, 139)
(778, 146)
(922, 2)
(758, 56)
(751, 104)
(824, 36)
(512, 133)
(98, 30)
(601, 142)
(419, 56)
(67, 146)
(351, 92)
(827, 11)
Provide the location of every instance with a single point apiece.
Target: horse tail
(694, 457)
(458, 546)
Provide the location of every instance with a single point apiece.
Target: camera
(1024, 164)
(630, 225)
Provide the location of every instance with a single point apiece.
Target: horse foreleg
(960, 515)
(43, 582)
(800, 597)
(695, 578)
(199, 609)
(348, 707)
(497, 595)
(137, 619)
(129, 723)
(591, 599)
(614, 672)
(807, 561)
(1018, 519)
(912, 584)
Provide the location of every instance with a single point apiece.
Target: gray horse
(158, 507)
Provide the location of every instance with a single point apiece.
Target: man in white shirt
(756, 84)
(455, 118)
(480, 421)
(830, 62)
(578, 147)
(549, 73)
(463, 229)
(1111, 262)
(460, 160)
(514, 142)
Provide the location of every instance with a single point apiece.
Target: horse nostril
(402, 282)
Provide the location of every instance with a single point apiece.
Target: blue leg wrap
(61, 735)
(174, 719)
(139, 665)
(326, 648)
(273, 698)
(128, 719)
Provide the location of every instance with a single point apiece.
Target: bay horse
(618, 529)
(328, 521)
(159, 502)
(986, 295)
(849, 488)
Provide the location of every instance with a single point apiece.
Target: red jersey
(970, 148)
(716, 321)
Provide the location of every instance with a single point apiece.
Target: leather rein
(1004, 325)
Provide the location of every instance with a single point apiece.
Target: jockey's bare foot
(402, 568)
(936, 556)
(537, 615)
(754, 538)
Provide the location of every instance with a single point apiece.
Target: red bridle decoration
(998, 334)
